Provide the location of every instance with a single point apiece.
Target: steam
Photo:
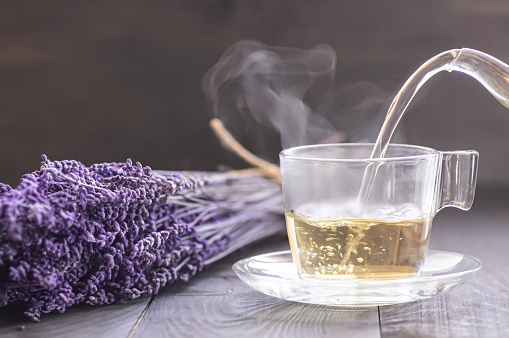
(360, 109)
(285, 88)
(292, 91)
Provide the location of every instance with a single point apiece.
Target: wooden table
(217, 304)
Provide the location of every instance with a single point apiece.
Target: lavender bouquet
(111, 232)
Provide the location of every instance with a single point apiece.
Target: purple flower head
(111, 232)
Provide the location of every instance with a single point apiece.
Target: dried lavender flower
(115, 231)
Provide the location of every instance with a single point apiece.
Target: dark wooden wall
(102, 81)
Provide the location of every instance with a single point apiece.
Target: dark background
(103, 81)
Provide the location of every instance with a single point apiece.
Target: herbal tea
(335, 236)
(352, 248)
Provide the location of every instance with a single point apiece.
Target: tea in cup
(338, 229)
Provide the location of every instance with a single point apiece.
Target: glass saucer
(275, 274)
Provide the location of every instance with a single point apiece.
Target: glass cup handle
(458, 178)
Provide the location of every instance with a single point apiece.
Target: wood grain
(218, 304)
(477, 309)
(81, 321)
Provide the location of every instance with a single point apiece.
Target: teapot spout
(492, 73)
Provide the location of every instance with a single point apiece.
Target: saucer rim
(371, 293)
(418, 279)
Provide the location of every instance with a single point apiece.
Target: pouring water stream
(492, 73)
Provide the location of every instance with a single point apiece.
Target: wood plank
(115, 320)
(481, 307)
(218, 304)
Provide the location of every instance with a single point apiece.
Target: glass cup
(352, 217)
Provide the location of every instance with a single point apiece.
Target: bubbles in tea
(355, 248)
